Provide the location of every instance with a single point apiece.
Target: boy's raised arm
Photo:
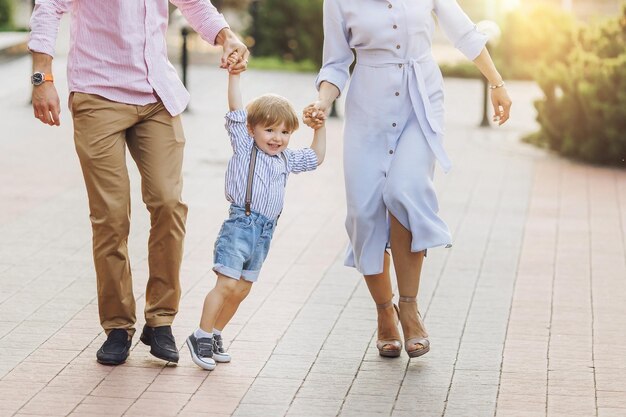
(234, 92)
(234, 89)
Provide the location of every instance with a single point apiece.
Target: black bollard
(184, 56)
(485, 121)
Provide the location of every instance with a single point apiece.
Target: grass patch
(278, 64)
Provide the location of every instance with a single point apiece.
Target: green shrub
(583, 114)
(289, 29)
(543, 34)
(6, 14)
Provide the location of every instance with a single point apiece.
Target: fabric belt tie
(419, 99)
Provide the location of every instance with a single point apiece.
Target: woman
(392, 138)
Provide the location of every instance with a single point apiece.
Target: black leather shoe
(114, 350)
(161, 342)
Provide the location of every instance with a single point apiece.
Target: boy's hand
(232, 59)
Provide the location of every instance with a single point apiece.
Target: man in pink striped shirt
(124, 92)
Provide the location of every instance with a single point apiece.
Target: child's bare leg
(232, 304)
(215, 300)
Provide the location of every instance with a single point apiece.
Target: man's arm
(46, 103)
(212, 27)
(319, 144)
(44, 25)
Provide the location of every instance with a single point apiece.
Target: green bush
(289, 29)
(583, 114)
(6, 14)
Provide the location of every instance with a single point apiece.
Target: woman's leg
(232, 304)
(408, 266)
(379, 286)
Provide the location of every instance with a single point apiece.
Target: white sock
(217, 332)
(199, 334)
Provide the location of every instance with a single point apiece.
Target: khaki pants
(155, 139)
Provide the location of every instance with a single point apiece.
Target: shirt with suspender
(254, 179)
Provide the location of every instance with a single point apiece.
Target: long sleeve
(337, 55)
(44, 24)
(203, 17)
(459, 28)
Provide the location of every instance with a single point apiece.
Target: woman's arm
(315, 113)
(466, 38)
(337, 58)
(499, 96)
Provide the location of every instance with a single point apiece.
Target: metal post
(184, 57)
(254, 13)
(485, 121)
(333, 110)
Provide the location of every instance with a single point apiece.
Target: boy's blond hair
(270, 110)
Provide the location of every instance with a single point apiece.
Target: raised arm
(44, 25)
(319, 144)
(234, 92)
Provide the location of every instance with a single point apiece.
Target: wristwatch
(39, 78)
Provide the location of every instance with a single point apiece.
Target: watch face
(37, 78)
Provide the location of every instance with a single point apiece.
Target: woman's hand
(315, 113)
(501, 105)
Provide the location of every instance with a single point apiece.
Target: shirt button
(395, 26)
(397, 46)
(393, 124)
(399, 65)
(389, 6)
(397, 93)
(390, 152)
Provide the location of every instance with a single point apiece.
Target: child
(255, 185)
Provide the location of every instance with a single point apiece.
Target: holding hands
(232, 45)
(314, 115)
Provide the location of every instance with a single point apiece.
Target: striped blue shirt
(270, 173)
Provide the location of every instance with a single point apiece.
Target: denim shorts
(242, 244)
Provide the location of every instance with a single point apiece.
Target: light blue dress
(393, 131)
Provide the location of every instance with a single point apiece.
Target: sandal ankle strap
(386, 305)
(404, 299)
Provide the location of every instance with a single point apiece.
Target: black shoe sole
(146, 341)
(110, 362)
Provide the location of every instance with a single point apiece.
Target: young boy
(255, 185)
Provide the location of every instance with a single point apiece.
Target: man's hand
(315, 114)
(46, 104)
(231, 43)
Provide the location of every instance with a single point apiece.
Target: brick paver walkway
(526, 312)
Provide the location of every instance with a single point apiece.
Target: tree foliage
(583, 114)
(289, 29)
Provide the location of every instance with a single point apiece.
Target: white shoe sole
(218, 357)
(202, 364)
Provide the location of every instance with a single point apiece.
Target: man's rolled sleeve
(44, 25)
(203, 18)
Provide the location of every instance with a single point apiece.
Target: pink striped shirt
(117, 47)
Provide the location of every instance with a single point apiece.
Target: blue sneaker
(201, 351)
(219, 354)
